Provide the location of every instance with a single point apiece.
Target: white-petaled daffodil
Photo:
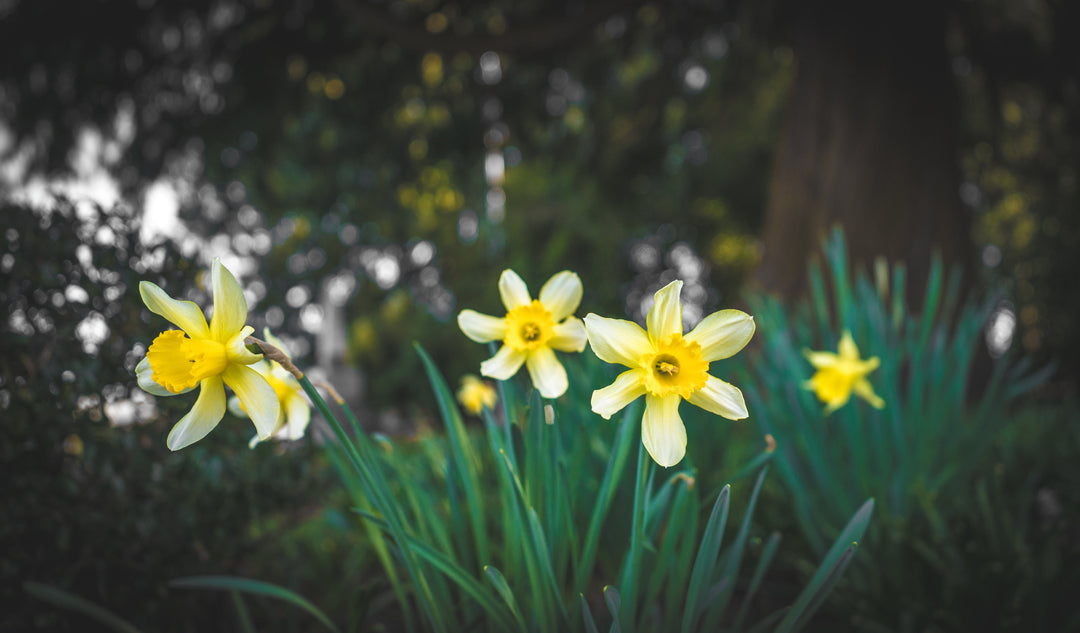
(531, 331)
(840, 374)
(295, 411)
(207, 357)
(667, 367)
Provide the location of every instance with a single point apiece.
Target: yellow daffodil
(531, 331)
(208, 357)
(295, 412)
(839, 374)
(667, 367)
(475, 394)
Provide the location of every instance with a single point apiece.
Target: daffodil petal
(628, 386)
(297, 417)
(616, 340)
(230, 306)
(821, 360)
(569, 336)
(547, 373)
(665, 316)
(235, 408)
(204, 416)
(238, 352)
(865, 390)
(561, 295)
(869, 365)
(662, 430)
(847, 348)
(144, 374)
(721, 398)
(185, 314)
(503, 364)
(722, 334)
(481, 327)
(256, 395)
(513, 290)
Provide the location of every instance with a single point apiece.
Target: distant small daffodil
(295, 411)
(840, 374)
(475, 395)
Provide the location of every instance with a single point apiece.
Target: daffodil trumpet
(667, 367)
(531, 331)
(208, 357)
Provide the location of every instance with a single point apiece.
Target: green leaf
(586, 615)
(767, 554)
(72, 602)
(706, 559)
(828, 573)
(257, 587)
(614, 603)
(497, 579)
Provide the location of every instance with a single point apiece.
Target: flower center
(529, 327)
(178, 362)
(675, 367)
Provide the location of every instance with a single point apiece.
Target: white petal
(722, 334)
(561, 295)
(863, 388)
(144, 374)
(665, 317)
(662, 430)
(258, 397)
(569, 336)
(238, 352)
(185, 314)
(503, 364)
(235, 408)
(481, 327)
(547, 373)
(203, 417)
(513, 290)
(627, 387)
(720, 398)
(616, 340)
(821, 360)
(297, 417)
(230, 306)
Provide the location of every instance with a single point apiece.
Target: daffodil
(531, 331)
(207, 357)
(295, 412)
(840, 374)
(667, 367)
(475, 394)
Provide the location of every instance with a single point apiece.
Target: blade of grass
(71, 602)
(506, 593)
(255, 587)
(706, 559)
(586, 615)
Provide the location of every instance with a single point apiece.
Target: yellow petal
(481, 327)
(665, 316)
(722, 334)
(721, 398)
(569, 336)
(864, 389)
(628, 386)
(144, 374)
(561, 295)
(547, 373)
(847, 348)
(513, 290)
(258, 398)
(503, 364)
(230, 306)
(185, 314)
(662, 430)
(297, 417)
(821, 360)
(237, 351)
(203, 417)
(616, 340)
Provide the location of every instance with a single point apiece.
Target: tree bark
(870, 143)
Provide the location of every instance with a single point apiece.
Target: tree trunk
(870, 143)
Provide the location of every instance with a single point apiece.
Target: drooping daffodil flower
(667, 367)
(838, 375)
(475, 394)
(531, 331)
(207, 357)
(295, 411)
